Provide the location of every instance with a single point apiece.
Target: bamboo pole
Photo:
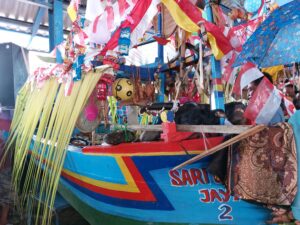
(225, 144)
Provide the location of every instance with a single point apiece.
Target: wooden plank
(221, 129)
(145, 127)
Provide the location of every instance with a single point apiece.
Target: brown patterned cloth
(263, 167)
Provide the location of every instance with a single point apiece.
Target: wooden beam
(221, 129)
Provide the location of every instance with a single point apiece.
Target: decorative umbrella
(276, 41)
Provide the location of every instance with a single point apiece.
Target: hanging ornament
(77, 68)
(253, 6)
(163, 116)
(124, 41)
(101, 91)
(112, 101)
(123, 89)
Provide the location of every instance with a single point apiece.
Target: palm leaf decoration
(49, 117)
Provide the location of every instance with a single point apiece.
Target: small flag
(289, 105)
(108, 19)
(188, 17)
(161, 41)
(72, 10)
(141, 16)
(264, 104)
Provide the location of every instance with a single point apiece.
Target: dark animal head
(192, 113)
(195, 114)
(235, 113)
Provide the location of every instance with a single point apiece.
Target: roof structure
(31, 17)
(21, 15)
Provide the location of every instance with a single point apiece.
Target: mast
(160, 59)
(217, 94)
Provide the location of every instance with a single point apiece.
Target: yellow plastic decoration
(163, 116)
(144, 119)
(112, 102)
(72, 12)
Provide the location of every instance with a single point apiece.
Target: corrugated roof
(19, 15)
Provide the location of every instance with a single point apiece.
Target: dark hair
(266, 75)
(289, 85)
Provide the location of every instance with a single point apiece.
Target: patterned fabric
(264, 167)
(276, 40)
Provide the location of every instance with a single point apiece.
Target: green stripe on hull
(95, 217)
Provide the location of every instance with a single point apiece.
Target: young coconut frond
(48, 117)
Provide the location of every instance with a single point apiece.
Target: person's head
(253, 85)
(290, 90)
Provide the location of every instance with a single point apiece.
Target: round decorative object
(123, 89)
(91, 112)
(88, 119)
(252, 6)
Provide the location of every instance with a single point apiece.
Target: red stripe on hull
(144, 193)
(156, 147)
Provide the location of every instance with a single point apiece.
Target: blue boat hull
(140, 187)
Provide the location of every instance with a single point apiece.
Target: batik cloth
(263, 168)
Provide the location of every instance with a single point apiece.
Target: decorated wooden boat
(135, 184)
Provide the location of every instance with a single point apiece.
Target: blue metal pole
(162, 78)
(56, 27)
(217, 95)
(37, 21)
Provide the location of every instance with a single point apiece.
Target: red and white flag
(94, 8)
(264, 103)
(138, 21)
(248, 73)
(289, 105)
(108, 19)
(229, 72)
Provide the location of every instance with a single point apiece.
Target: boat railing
(220, 129)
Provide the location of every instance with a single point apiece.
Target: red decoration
(101, 90)
(160, 40)
(170, 134)
(107, 78)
